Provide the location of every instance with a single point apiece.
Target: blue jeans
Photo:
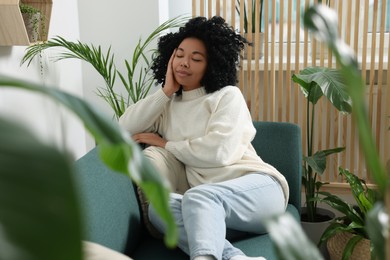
(204, 213)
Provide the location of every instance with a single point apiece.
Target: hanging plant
(34, 21)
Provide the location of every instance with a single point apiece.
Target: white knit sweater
(210, 133)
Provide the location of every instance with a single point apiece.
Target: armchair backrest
(279, 144)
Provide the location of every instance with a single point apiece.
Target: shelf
(12, 28)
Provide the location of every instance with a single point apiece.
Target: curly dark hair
(223, 46)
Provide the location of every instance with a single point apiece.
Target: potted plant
(255, 28)
(348, 233)
(34, 21)
(137, 81)
(286, 236)
(316, 82)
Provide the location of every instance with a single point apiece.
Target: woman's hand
(150, 139)
(171, 85)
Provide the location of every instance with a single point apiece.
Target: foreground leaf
(116, 148)
(289, 240)
(39, 211)
(323, 22)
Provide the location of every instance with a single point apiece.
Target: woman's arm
(145, 114)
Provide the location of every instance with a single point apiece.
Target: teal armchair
(112, 214)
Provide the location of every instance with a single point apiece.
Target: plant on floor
(316, 82)
(39, 210)
(138, 79)
(353, 216)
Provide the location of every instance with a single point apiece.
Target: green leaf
(289, 240)
(348, 250)
(364, 200)
(342, 206)
(318, 81)
(377, 223)
(39, 211)
(318, 161)
(115, 147)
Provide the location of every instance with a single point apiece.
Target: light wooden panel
(265, 80)
(12, 28)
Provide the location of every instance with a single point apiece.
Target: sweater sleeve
(228, 135)
(144, 116)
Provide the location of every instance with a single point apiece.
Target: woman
(199, 131)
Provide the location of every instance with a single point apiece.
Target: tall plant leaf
(39, 212)
(318, 161)
(322, 21)
(378, 228)
(116, 148)
(331, 83)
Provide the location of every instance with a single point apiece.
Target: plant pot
(314, 230)
(251, 55)
(337, 243)
(33, 25)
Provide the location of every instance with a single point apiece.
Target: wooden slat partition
(284, 47)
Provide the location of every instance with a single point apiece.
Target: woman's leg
(169, 167)
(204, 213)
(240, 204)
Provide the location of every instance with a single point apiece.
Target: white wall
(117, 23)
(39, 114)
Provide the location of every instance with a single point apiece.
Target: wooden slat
(266, 85)
(380, 116)
(266, 82)
(289, 104)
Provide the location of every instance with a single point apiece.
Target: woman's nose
(184, 63)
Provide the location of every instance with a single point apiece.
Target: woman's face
(189, 63)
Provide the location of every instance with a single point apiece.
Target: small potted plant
(256, 28)
(347, 237)
(34, 21)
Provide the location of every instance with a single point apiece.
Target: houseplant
(251, 28)
(137, 80)
(351, 224)
(34, 21)
(322, 21)
(39, 214)
(316, 82)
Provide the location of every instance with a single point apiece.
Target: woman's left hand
(150, 139)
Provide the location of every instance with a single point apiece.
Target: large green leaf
(364, 197)
(39, 211)
(318, 81)
(117, 150)
(318, 161)
(337, 203)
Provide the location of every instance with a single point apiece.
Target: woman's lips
(182, 73)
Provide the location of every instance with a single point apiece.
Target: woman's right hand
(171, 85)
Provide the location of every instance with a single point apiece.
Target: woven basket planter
(337, 243)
